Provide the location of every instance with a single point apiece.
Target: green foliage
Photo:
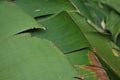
(25, 58)
(44, 7)
(53, 39)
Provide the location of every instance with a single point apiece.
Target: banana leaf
(44, 7)
(62, 30)
(100, 43)
(23, 57)
(14, 20)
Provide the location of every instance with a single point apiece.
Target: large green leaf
(62, 30)
(14, 20)
(104, 51)
(33, 58)
(54, 34)
(100, 44)
(44, 7)
(29, 58)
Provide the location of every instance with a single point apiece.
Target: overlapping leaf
(100, 43)
(62, 30)
(79, 59)
(26, 58)
(29, 58)
(90, 11)
(14, 20)
(52, 33)
(44, 7)
(113, 24)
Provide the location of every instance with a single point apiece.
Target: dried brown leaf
(96, 67)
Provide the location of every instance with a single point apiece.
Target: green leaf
(44, 7)
(116, 31)
(14, 20)
(79, 57)
(58, 24)
(104, 51)
(113, 3)
(29, 58)
(110, 72)
(79, 60)
(112, 20)
(113, 24)
(86, 73)
(82, 8)
(100, 43)
(62, 30)
(91, 11)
